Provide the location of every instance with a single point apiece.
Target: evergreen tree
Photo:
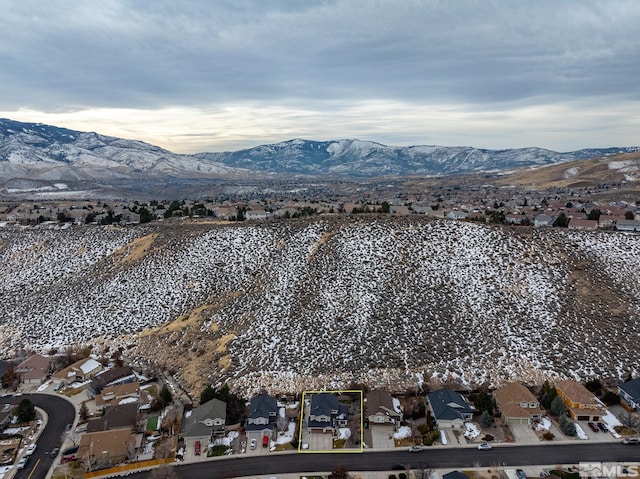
(25, 411)
(165, 395)
(557, 406)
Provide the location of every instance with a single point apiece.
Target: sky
(220, 75)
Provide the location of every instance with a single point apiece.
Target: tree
(557, 406)
(10, 378)
(628, 419)
(567, 426)
(485, 418)
(629, 215)
(145, 215)
(561, 221)
(25, 411)
(165, 395)
(483, 402)
(595, 386)
(547, 394)
(594, 214)
(84, 411)
(340, 472)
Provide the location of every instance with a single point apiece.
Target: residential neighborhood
(127, 418)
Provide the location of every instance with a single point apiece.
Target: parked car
(31, 449)
(55, 451)
(631, 441)
(544, 473)
(22, 462)
(485, 446)
(603, 427)
(198, 448)
(265, 441)
(253, 444)
(521, 474)
(593, 427)
(415, 449)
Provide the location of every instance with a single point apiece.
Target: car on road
(415, 449)
(30, 450)
(55, 451)
(253, 444)
(631, 441)
(68, 428)
(198, 449)
(603, 427)
(593, 427)
(485, 446)
(22, 462)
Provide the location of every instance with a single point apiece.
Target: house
(103, 449)
(583, 225)
(581, 403)
(204, 423)
(449, 408)
(630, 394)
(609, 221)
(256, 214)
(111, 377)
(542, 220)
(326, 414)
(81, 370)
(456, 215)
(263, 413)
(382, 408)
(118, 394)
(34, 369)
(517, 404)
(400, 210)
(514, 219)
(628, 225)
(117, 417)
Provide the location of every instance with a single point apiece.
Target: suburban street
(60, 412)
(515, 456)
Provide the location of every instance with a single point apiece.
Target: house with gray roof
(630, 394)
(263, 413)
(326, 414)
(449, 408)
(205, 422)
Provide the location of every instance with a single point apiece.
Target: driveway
(382, 436)
(523, 434)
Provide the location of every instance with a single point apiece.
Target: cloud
(330, 60)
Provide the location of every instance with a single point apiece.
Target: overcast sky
(217, 75)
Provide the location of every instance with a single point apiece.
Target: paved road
(61, 412)
(435, 458)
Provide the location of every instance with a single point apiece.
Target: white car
(485, 446)
(31, 449)
(22, 462)
(253, 443)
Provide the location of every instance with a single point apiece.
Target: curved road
(61, 412)
(454, 458)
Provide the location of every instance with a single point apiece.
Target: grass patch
(405, 442)
(152, 423)
(284, 447)
(216, 451)
(339, 443)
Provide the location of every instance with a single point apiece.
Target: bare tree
(629, 419)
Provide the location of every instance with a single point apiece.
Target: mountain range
(37, 157)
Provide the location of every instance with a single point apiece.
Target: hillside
(390, 301)
(615, 169)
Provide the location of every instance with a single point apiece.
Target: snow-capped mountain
(355, 158)
(51, 154)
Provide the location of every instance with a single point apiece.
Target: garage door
(583, 418)
(517, 420)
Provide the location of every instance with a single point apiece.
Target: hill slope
(389, 301)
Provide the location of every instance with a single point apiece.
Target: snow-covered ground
(320, 304)
(544, 424)
(580, 434)
(471, 430)
(286, 436)
(403, 432)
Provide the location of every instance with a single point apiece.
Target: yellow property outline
(333, 451)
